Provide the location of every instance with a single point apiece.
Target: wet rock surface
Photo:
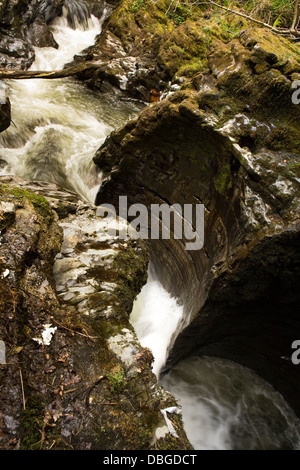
(25, 25)
(74, 375)
(5, 109)
(230, 141)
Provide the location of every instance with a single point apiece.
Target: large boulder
(230, 141)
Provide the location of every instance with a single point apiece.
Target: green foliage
(137, 5)
(116, 381)
(278, 13)
(180, 13)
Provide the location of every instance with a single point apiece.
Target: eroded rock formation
(75, 375)
(229, 140)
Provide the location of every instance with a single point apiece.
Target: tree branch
(67, 72)
(261, 23)
(296, 17)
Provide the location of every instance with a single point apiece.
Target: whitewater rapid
(224, 406)
(58, 124)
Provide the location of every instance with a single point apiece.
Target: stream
(57, 127)
(59, 124)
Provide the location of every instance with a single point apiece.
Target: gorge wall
(228, 139)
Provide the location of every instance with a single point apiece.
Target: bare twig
(296, 17)
(75, 332)
(22, 387)
(49, 448)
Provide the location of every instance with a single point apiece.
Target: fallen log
(67, 72)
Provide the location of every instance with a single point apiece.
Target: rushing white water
(224, 405)
(228, 407)
(155, 316)
(59, 124)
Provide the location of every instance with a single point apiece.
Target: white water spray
(155, 316)
(59, 124)
(225, 406)
(228, 407)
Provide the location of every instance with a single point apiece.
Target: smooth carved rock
(240, 291)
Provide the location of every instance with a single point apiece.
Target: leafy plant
(137, 5)
(180, 13)
(116, 381)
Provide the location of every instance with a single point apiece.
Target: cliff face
(229, 139)
(75, 375)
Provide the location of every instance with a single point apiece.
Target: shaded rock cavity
(5, 109)
(239, 292)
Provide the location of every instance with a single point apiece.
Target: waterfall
(155, 316)
(59, 124)
(225, 406)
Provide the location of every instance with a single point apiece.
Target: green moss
(39, 202)
(116, 381)
(193, 66)
(221, 182)
(181, 46)
(131, 266)
(31, 423)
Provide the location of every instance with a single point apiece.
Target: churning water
(59, 124)
(228, 407)
(225, 406)
(155, 316)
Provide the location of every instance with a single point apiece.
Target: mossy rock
(272, 48)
